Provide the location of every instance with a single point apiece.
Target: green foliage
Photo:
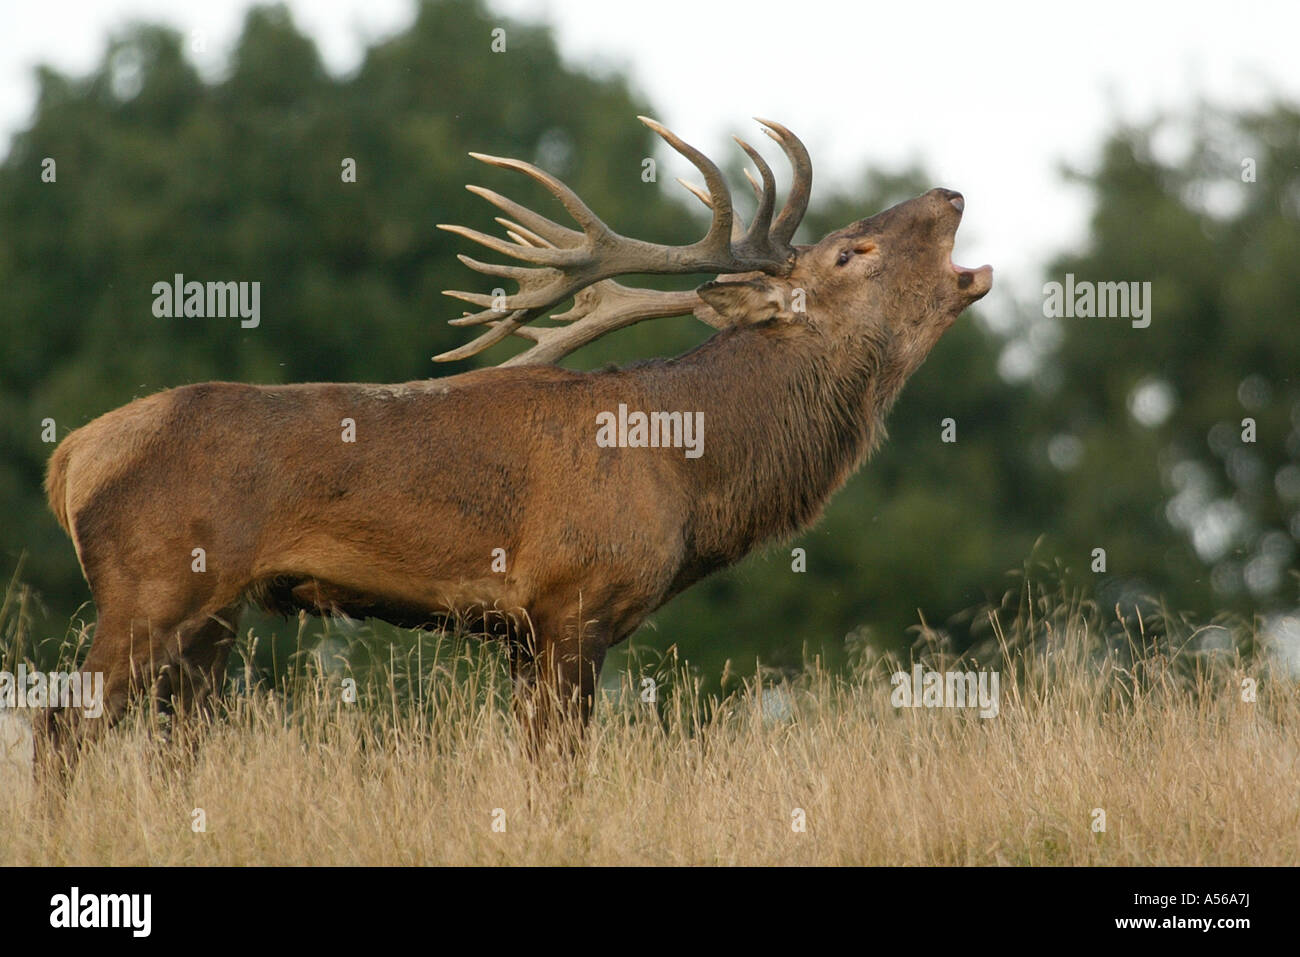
(1184, 506)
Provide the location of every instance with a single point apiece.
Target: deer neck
(788, 416)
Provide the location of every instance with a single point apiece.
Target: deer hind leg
(59, 733)
(122, 652)
(130, 650)
(189, 684)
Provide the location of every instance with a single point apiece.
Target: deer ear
(741, 302)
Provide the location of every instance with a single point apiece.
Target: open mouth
(974, 282)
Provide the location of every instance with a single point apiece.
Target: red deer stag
(526, 499)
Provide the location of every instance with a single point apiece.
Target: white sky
(991, 97)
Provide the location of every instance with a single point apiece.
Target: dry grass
(1185, 770)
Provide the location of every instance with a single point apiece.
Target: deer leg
(130, 653)
(555, 676)
(524, 691)
(190, 684)
(61, 733)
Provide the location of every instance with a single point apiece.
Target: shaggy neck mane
(811, 412)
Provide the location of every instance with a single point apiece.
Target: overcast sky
(990, 97)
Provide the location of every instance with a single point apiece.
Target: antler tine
(591, 223)
(697, 192)
(520, 234)
(500, 329)
(718, 238)
(485, 317)
(556, 235)
(757, 237)
(737, 230)
(539, 256)
(796, 203)
(495, 269)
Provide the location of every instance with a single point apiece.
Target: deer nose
(951, 195)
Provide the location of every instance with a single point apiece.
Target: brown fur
(402, 523)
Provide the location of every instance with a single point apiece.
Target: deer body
(402, 515)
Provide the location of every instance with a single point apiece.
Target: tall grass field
(1119, 738)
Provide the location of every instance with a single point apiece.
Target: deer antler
(567, 262)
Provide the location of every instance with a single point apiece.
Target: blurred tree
(1148, 426)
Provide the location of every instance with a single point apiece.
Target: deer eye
(862, 248)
